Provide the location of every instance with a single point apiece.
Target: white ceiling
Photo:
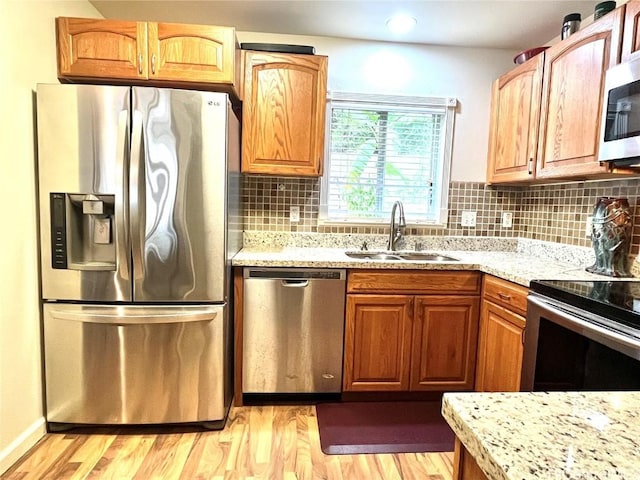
(509, 24)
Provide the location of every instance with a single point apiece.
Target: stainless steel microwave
(620, 126)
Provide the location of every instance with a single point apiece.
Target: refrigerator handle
(122, 234)
(203, 315)
(136, 192)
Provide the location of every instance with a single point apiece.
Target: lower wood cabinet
(501, 336)
(398, 338)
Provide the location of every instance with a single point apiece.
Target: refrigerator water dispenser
(82, 231)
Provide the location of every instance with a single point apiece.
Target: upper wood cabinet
(114, 50)
(572, 98)
(515, 116)
(284, 103)
(94, 48)
(631, 35)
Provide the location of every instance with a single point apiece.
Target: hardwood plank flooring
(258, 442)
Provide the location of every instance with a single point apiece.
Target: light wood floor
(266, 442)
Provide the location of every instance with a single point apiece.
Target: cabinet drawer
(413, 281)
(505, 293)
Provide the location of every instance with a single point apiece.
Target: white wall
(406, 69)
(27, 53)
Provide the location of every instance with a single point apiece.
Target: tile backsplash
(554, 213)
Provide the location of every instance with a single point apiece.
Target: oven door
(566, 348)
(620, 125)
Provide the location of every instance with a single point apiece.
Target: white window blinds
(382, 149)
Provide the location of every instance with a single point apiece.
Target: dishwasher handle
(291, 275)
(295, 283)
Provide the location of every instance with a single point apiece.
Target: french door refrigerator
(139, 217)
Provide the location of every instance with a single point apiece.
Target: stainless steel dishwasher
(293, 327)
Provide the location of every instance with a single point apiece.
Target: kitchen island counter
(549, 435)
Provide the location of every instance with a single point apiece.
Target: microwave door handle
(122, 233)
(136, 191)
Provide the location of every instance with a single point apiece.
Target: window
(386, 148)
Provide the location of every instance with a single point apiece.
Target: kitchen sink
(400, 256)
(373, 255)
(427, 257)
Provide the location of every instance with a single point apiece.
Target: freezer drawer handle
(295, 283)
(133, 319)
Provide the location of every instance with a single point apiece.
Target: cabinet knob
(153, 63)
(504, 296)
(140, 63)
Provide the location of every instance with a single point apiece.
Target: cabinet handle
(530, 170)
(504, 296)
(153, 63)
(140, 63)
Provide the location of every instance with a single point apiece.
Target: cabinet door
(515, 116)
(445, 332)
(192, 53)
(573, 89)
(500, 349)
(377, 342)
(284, 102)
(631, 38)
(94, 48)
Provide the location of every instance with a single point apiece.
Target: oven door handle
(560, 315)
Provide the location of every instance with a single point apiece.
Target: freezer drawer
(136, 364)
(293, 328)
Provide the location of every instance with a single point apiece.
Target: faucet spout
(395, 234)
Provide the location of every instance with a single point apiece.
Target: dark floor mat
(383, 427)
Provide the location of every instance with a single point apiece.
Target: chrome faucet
(395, 234)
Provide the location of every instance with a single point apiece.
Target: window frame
(446, 105)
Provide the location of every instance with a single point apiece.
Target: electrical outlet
(468, 219)
(294, 214)
(588, 227)
(507, 219)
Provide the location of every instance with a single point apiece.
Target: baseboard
(22, 443)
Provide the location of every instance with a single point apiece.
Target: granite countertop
(518, 267)
(549, 435)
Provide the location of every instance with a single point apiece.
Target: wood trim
(414, 281)
(238, 302)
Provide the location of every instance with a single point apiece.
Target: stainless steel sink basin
(400, 256)
(426, 257)
(373, 255)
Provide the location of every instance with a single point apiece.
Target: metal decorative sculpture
(611, 237)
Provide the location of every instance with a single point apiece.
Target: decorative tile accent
(552, 213)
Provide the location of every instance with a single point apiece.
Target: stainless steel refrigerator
(139, 210)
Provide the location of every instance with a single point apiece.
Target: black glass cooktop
(614, 300)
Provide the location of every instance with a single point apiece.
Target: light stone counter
(558, 435)
(518, 267)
